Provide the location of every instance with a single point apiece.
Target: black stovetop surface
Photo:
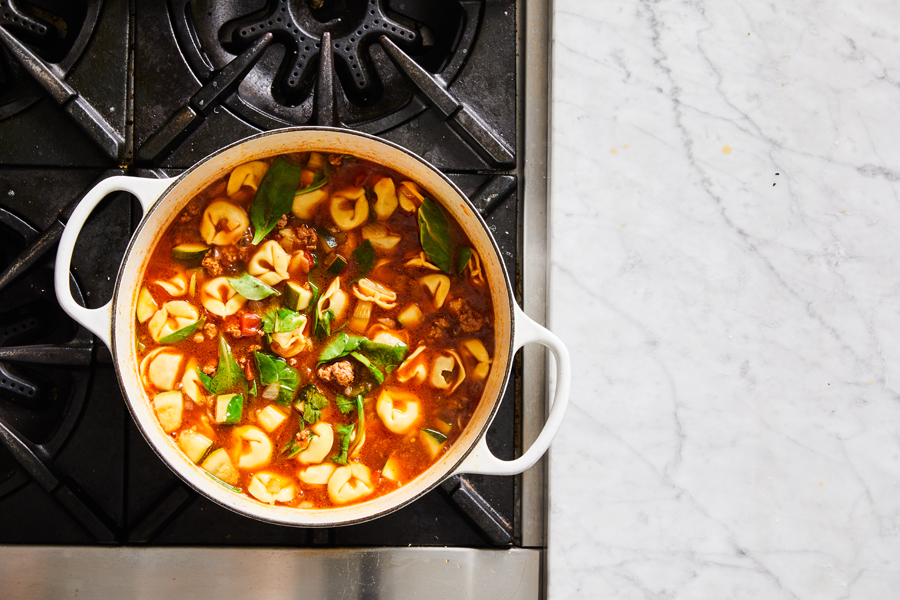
(73, 415)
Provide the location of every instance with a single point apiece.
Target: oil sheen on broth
(314, 330)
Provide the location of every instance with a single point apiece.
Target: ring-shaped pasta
(219, 298)
(291, 343)
(254, 447)
(171, 317)
(349, 483)
(413, 368)
(305, 205)
(349, 208)
(438, 285)
(372, 291)
(421, 261)
(409, 195)
(397, 410)
(386, 198)
(270, 263)
(319, 446)
(271, 487)
(223, 223)
(334, 299)
(177, 286)
(249, 174)
(160, 368)
(443, 368)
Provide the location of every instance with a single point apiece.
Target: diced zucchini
(391, 470)
(146, 306)
(218, 464)
(190, 381)
(229, 408)
(296, 297)
(168, 406)
(270, 418)
(411, 316)
(194, 444)
(444, 428)
(189, 252)
(337, 265)
(433, 440)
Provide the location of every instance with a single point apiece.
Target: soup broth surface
(314, 330)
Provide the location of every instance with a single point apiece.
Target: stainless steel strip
(535, 97)
(36, 572)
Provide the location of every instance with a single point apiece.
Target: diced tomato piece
(250, 324)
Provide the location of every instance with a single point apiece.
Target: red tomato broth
(439, 409)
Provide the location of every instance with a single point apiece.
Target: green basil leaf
(268, 369)
(274, 197)
(268, 320)
(464, 255)
(345, 405)
(319, 179)
(434, 234)
(322, 327)
(180, 334)
(253, 389)
(376, 372)
(205, 379)
(276, 370)
(364, 258)
(384, 354)
(289, 320)
(345, 432)
(229, 373)
(342, 345)
(293, 449)
(313, 402)
(251, 288)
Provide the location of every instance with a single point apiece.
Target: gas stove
(90, 89)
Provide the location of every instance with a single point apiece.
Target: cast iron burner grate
(57, 30)
(41, 394)
(280, 91)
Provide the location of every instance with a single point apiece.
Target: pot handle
(481, 459)
(97, 320)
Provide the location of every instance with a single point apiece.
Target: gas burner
(370, 92)
(57, 30)
(40, 395)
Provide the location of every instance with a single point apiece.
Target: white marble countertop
(725, 222)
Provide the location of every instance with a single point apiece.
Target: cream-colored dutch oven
(163, 199)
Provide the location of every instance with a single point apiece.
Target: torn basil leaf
(319, 179)
(251, 288)
(181, 334)
(375, 371)
(465, 254)
(313, 402)
(345, 405)
(346, 432)
(276, 370)
(281, 320)
(434, 234)
(363, 259)
(228, 374)
(342, 345)
(274, 197)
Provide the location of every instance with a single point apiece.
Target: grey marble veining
(724, 228)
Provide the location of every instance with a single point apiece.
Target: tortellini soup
(314, 330)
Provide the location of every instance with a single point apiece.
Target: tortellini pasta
(291, 343)
(386, 198)
(372, 291)
(223, 223)
(319, 446)
(398, 410)
(176, 286)
(171, 317)
(249, 174)
(439, 286)
(413, 368)
(443, 370)
(350, 483)
(334, 299)
(409, 195)
(270, 263)
(219, 298)
(160, 368)
(349, 208)
(254, 447)
(271, 487)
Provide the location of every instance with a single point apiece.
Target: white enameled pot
(164, 199)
